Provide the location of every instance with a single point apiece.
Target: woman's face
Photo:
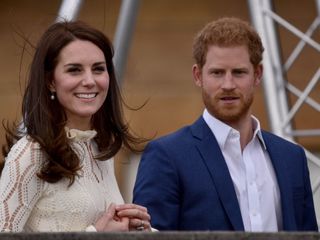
(81, 82)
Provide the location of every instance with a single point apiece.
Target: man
(223, 172)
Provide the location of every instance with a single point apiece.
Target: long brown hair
(44, 120)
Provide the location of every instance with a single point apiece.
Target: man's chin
(227, 115)
(228, 118)
(231, 118)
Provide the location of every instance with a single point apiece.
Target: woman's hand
(139, 219)
(110, 222)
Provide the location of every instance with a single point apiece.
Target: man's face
(228, 81)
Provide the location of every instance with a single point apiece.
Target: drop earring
(52, 96)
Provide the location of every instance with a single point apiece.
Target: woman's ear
(197, 75)
(52, 87)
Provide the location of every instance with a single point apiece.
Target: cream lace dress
(30, 204)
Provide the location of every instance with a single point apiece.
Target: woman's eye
(74, 70)
(99, 69)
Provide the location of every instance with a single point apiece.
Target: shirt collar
(221, 130)
(79, 135)
(257, 131)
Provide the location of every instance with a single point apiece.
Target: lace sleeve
(20, 188)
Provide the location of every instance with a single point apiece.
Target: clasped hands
(124, 217)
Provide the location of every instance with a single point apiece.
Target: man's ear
(258, 74)
(197, 75)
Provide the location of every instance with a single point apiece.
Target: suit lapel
(277, 159)
(212, 156)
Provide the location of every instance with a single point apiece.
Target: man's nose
(228, 82)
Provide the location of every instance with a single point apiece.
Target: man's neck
(245, 128)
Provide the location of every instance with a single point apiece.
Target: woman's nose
(88, 79)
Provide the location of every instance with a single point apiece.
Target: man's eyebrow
(216, 68)
(240, 68)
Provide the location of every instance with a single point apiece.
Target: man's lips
(229, 98)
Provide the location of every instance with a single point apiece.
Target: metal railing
(204, 235)
(277, 86)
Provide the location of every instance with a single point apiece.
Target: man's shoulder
(181, 136)
(177, 135)
(277, 140)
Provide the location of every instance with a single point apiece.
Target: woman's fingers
(110, 222)
(136, 224)
(139, 213)
(123, 218)
(131, 206)
(139, 218)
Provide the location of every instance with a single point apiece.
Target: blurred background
(158, 64)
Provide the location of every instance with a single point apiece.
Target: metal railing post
(69, 10)
(123, 35)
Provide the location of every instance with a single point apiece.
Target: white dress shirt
(252, 174)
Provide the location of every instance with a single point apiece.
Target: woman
(58, 173)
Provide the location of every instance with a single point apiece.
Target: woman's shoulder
(26, 150)
(25, 143)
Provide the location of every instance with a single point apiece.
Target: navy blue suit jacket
(184, 182)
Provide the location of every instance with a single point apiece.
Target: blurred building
(158, 69)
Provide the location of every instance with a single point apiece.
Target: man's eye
(239, 72)
(217, 73)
